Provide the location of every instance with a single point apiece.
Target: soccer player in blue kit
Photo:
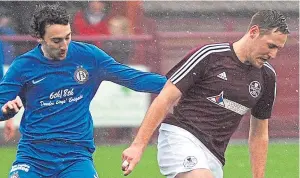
(56, 82)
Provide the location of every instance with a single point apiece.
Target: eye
(56, 40)
(272, 46)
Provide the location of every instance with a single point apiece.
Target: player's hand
(12, 107)
(9, 130)
(130, 157)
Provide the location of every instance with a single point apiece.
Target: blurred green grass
(283, 162)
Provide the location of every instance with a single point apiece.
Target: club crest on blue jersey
(254, 89)
(218, 99)
(81, 75)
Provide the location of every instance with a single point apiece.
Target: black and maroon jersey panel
(217, 90)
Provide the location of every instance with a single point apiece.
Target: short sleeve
(194, 66)
(264, 106)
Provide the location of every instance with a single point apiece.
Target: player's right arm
(9, 127)
(185, 74)
(154, 116)
(11, 108)
(10, 87)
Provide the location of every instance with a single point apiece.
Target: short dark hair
(46, 14)
(267, 20)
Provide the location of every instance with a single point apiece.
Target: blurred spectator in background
(92, 20)
(118, 49)
(119, 25)
(6, 28)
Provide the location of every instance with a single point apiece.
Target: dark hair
(267, 20)
(47, 15)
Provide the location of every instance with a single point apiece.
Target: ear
(254, 31)
(40, 40)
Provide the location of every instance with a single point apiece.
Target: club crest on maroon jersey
(254, 89)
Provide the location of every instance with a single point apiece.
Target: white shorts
(180, 151)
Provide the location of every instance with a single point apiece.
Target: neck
(240, 49)
(45, 53)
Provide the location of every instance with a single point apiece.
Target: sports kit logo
(228, 104)
(81, 75)
(254, 89)
(38, 81)
(190, 161)
(218, 99)
(222, 76)
(20, 167)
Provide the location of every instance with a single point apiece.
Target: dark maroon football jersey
(217, 90)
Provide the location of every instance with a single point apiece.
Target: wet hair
(47, 15)
(267, 20)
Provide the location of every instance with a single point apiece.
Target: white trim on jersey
(196, 58)
(275, 93)
(228, 104)
(235, 107)
(268, 65)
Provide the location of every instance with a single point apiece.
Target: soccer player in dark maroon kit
(216, 85)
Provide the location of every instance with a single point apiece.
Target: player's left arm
(111, 70)
(135, 79)
(258, 146)
(260, 114)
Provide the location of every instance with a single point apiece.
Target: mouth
(62, 53)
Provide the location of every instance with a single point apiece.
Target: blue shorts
(53, 160)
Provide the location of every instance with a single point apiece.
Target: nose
(64, 44)
(273, 53)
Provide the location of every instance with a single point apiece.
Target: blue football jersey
(57, 94)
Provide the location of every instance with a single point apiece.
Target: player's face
(265, 47)
(56, 41)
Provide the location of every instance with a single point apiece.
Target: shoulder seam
(196, 57)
